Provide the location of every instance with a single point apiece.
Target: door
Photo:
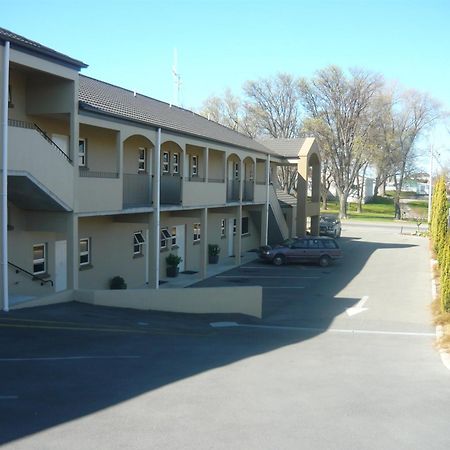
(181, 243)
(230, 241)
(60, 266)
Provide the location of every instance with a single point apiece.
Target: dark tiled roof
(289, 148)
(105, 98)
(22, 42)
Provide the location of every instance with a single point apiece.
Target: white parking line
(9, 397)
(262, 276)
(67, 358)
(283, 287)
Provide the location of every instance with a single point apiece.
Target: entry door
(60, 266)
(181, 242)
(230, 237)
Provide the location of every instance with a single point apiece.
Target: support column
(203, 243)
(119, 154)
(73, 249)
(154, 219)
(265, 210)
(4, 185)
(206, 164)
(302, 193)
(238, 237)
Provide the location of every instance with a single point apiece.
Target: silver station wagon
(321, 250)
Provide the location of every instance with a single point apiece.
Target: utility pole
(430, 183)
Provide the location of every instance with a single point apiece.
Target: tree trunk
(342, 206)
(397, 208)
(383, 189)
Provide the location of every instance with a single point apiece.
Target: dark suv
(330, 225)
(321, 250)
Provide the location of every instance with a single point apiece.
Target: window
(142, 160)
(85, 251)
(314, 243)
(165, 162)
(244, 225)
(10, 103)
(194, 165)
(39, 258)
(196, 228)
(138, 243)
(222, 227)
(236, 170)
(234, 226)
(82, 152)
(174, 236)
(166, 237)
(175, 163)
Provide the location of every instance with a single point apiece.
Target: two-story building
(102, 181)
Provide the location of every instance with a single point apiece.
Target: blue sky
(222, 43)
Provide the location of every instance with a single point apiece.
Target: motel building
(99, 181)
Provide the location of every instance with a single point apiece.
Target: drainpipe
(157, 203)
(4, 115)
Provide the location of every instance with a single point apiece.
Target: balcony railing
(248, 194)
(170, 190)
(216, 180)
(86, 173)
(136, 190)
(233, 190)
(197, 179)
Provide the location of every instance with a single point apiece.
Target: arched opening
(172, 170)
(249, 179)
(233, 178)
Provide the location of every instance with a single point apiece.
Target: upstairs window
(175, 163)
(236, 170)
(142, 159)
(39, 258)
(194, 166)
(138, 243)
(165, 162)
(82, 150)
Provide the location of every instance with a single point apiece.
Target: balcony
(170, 193)
(233, 187)
(136, 190)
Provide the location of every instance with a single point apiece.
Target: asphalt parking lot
(342, 358)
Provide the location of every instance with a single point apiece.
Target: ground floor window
(234, 226)
(39, 258)
(222, 227)
(85, 251)
(244, 227)
(174, 236)
(138, 243)
(166, 238)
(196, 230)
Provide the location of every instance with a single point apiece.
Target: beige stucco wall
(203, 194)
(243, 300)
(111, 253)
(216, 165)
(99, 194)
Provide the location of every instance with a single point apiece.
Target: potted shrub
(172, 262)
(117, 283)
(213, 253)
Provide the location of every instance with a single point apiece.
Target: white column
(238, 237)
(206, 164)
(4, 221)
(73, 247)
(203, 242)
(265, 211)
(154, 219)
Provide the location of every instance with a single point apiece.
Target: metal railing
(233, 187)
(248, 193)
(32, 275)
(170, 190)
(31, 126)
(197, 179)
(216, 180)
(86, 173)
(136, 190)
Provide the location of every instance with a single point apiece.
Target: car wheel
(324, 261)
(278, 260)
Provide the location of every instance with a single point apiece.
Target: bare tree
(338, 106)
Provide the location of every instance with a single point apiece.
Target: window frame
(234, 226)
(194, 165)
(82, 155)
(165, 237)
(175, 163)
(174, 236)
(197, 235)
(142, 159)
(165, 166)
(138, 243)
(223, 224)
(40, 260)
(243, 233)
(85, 253)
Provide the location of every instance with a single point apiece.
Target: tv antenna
(176, 79)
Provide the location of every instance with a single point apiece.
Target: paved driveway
(342, 359)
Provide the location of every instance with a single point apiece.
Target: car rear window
(329, 243)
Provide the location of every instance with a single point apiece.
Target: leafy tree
(439, 219)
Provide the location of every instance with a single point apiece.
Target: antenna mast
(176, 79)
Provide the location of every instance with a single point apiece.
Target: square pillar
(73, 251)
(204, 243)
(238, 237)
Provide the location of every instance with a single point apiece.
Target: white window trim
(138, 243)
(142, 159)
(88, 252)
(176, 163)
(234, 226)
(165, 237)
(194, 165)
(196, 232)
(165, 162)
(174, 236)
(223, 225)
(82, 155)
(40, 260)
(242, 227)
